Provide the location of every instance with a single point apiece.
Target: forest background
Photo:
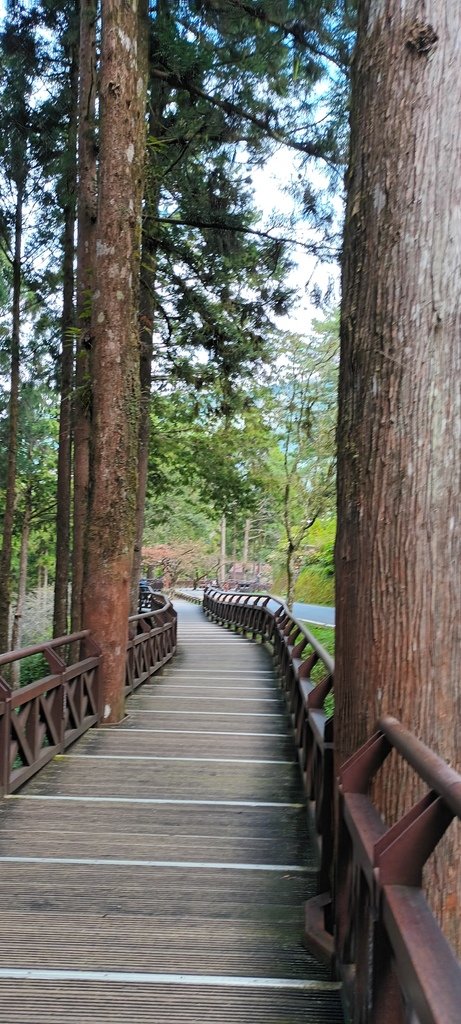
(239, 410)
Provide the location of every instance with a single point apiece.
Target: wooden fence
(43, 718)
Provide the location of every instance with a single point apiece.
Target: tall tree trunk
(22, 585)
(13, 425)
(61, 586)
(114, 439)
(146, 327)
(398, 595)
(158, 98)
(86, 236)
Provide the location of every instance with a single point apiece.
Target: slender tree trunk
(246, 542)
(13, 425)
(222, 560)
(61, 586)
(114, 440)
(22, 585)
(146, 327)
(398, 595)
(158, 98)
(86, 237)
(290, 574)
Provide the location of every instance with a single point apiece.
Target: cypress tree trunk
(114, 438)
(398, 596)
(60, 611)
(86, 219)
(13, 423)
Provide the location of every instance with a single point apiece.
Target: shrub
(315, 586)
(33, 668)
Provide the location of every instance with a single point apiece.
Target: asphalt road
(318, 614)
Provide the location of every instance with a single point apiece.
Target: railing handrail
(319, 649)
(27, 652)
(435, 772)
(163, 601)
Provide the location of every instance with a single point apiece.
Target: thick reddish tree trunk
(86, 234)
(114, 439)
(398, 595)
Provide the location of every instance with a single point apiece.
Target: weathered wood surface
(157, 871)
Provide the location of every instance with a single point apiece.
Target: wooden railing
(152, 641)
(43, 718)
(40, 720)
(370, 919)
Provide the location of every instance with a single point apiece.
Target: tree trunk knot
(421, 38)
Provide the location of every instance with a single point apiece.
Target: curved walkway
(157, 872)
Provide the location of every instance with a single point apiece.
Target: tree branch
(178, 82)
(221, 226)
(296, 29)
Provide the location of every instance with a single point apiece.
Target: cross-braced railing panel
(152, 641)
(43, 718)
(35, 729)
(38, 721)
(81, 699)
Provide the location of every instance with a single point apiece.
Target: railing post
(5, 736)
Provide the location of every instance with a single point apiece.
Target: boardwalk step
(111, 1003)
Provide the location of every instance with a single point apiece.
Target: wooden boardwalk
(157, 871)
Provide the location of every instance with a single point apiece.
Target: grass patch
(326, 637)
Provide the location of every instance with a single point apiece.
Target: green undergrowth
(315, 586)
(326, 637)
(33, 668)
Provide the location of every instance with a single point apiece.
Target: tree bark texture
(397, 556)
(63, 511)
(115, 358)
(13, 426)
(86, 236)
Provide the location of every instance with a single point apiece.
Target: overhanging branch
(184, 82)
